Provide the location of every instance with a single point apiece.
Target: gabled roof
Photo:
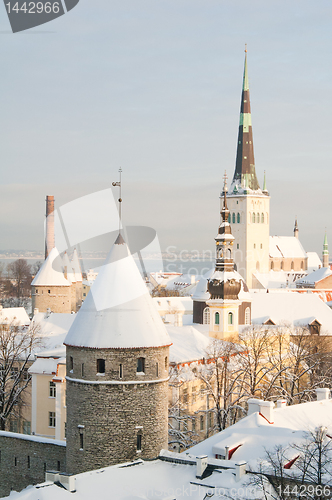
(75, 264)
(51, 272)
(118, 311)
(15, 315)
(286, 247)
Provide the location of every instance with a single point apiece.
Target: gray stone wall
(103, 420)
(23, 461)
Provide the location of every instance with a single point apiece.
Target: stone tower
(117, 371)
(249, 206)
(49, 288)
(225, 284)
(325, 252)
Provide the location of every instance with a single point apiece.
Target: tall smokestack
(49, 232)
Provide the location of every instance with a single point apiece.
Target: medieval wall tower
(249, 206)
(117, 371)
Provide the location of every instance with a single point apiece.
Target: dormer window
(100, 366)
(140, 365)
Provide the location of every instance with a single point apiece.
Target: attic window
(140, 365)
(100, 366)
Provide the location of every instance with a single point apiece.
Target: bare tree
(17, 346)
(19, 271)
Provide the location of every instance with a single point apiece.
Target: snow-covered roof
(53, 328)
(256, 434)
(174, 304)
(68, 268)
(286, 247)
(118, 311)
(75, 264)
(51, 272)
(315, 276)
(183, 281)
(291, 308)
(189, 343)
(15, 315)
(278, 279)
(314, 261)
(44, 366)
(36, 439)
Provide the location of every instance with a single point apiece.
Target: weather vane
(118, 184)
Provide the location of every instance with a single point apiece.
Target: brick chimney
(49, 226)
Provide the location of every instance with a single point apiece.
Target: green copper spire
(245, 162)
(325, 246)
(264, 184)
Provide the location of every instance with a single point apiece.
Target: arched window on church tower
(272, 266)
(238, 218)
(253, 218)
(282, 264)
(257, 218)
(302, 265)
(292, 266)
(262, 218)
(247, 316)
(206, 316)
(233, 218)
(216, 318)
(229, 218)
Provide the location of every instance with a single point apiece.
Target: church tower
(117, 353)
(249, 206)
(225, 284)
(326, 252)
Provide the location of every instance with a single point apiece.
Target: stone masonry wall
(24, 460)
(108, 417)
(58, 300)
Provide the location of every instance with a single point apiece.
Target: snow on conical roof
(75, 264)
(51, 272)
(68, 268)
(118, 312)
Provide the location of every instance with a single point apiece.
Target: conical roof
(51, 272)
(245, 173)
(75, 264)
(118, 312)
(68, 268)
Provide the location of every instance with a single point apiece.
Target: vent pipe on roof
(322, 393)
(265, 408)
(281, 403)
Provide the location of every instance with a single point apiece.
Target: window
(206, 316)
(25, 374)
(58, 465)
(302, 265)
(26, 427)
(272, 266)
(261, 245)
(216, 318)
(262, 218)
(100, 366)
(292, 266)
(247, 316)
(71, 364)
(210, 420)
(36, 290)
(120, 370)
(82, 369)
(51, 418)
(281, 265)
(230, 318)
(81, 439)
(253, 218)
(202, 422)
(49, 291)
(157, 369)
(185, 395)
(15, 461)
(257, 266)
(254, 245)
(233, 218)
(84, 294)
(193, 424)
(140, 365)
(139, 441)
(257, 218)
(229, 218)
(166, 363)
(238, 218)
(52, 389)
(13, 427)
(28, 462)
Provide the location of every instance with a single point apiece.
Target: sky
(154, 86)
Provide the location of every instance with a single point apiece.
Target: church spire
(325, 252)
(245, 173)
(296, 229)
